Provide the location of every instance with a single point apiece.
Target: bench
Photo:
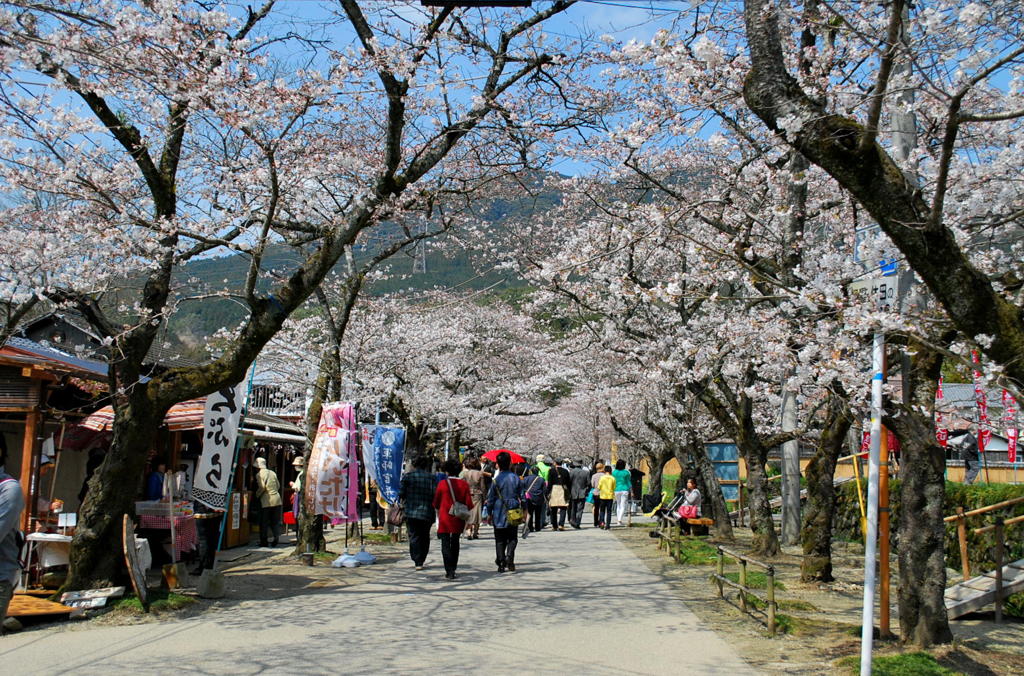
(672, 538)
(669, 530)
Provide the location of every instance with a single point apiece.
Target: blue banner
(384, 453)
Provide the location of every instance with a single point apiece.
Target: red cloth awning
(188, 415)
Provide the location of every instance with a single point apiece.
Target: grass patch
(907, 664)
(378, 538)
(324, 556)
(796, 604)
(1014, 605)
(644, 524)
(160, 600)
(755, 580)
(697, 552)
(798, 626)
(785, 624)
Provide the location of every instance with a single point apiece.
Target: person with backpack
(12, 502)
(505, 505)
(536, 493)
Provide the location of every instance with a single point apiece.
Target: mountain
(447, 266)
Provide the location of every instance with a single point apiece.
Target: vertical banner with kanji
(941, 433)
(332, 477)
(384, 453)
(984, 430)
(220, 432)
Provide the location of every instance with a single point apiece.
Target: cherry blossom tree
(943, 186)
(922, 130)
(699, 280)
(157, 133)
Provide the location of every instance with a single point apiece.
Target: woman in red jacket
(450, 527)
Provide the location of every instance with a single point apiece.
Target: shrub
(980, 548)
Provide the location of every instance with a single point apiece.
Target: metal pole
(871, 541)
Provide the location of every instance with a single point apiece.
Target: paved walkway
(580, 602)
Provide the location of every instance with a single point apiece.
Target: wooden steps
(978, 592)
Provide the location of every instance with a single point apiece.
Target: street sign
(889, 294)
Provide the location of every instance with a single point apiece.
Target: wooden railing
(742, 508)
(769, 598)
(1000, 556)
(961, 527)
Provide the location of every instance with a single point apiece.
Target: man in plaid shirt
(417, 495)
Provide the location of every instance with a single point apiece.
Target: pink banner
(1011, 445)
(332, 484)
(941, 433)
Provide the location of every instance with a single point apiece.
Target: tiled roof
(961, 395)
(42, 354)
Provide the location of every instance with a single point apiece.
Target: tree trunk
(816, 532)
(737, 420)
(922, 534)
(96, 558)
(765, 542)
(715, 499)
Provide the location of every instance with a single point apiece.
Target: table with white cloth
(45, 550)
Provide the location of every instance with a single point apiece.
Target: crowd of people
(515, 499)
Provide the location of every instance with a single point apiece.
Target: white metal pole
(871, 542)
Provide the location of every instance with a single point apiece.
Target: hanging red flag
(941, 433)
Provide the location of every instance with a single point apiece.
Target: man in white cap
(268, 490)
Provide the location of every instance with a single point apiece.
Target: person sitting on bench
(691, 504)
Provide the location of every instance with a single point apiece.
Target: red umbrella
(493, 455)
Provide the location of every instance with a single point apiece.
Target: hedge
(980, 548)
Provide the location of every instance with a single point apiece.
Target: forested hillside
(448, 265)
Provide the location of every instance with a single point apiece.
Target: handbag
(396, 515)
(688, 512)
(458, 509)
(514, 515)
(557, 498)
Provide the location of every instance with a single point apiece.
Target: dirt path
(825, 624)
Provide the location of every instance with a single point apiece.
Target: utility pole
(904, 138)
(790, 471)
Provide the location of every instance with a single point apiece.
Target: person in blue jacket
(507, 492)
